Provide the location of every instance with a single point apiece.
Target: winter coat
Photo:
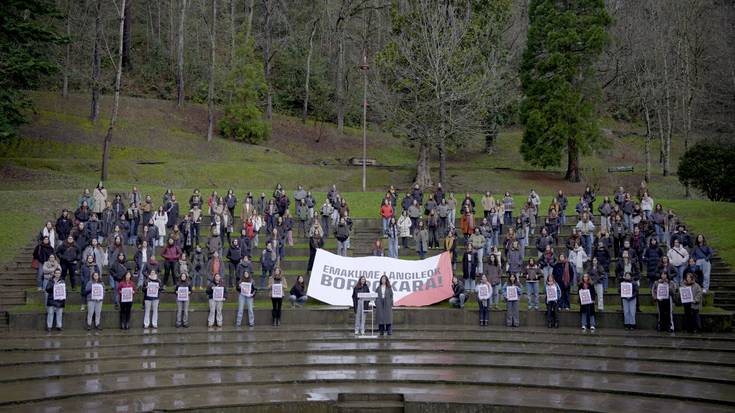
(50, 302)
(356, 290)
(620, 270)
(422, 240)
(210, 290)
(404, 226)
(678, 256)
(100, 197)
(384, 305)
(268, 260)
(469, 265)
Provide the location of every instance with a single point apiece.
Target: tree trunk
(267, 59)
(96, 63)
(308, 72)
(233, 4)
(180, 60)
(648, 144)
(67, 57)
(572, 161)
(667, 102)
(442, 160)
(490, 137)
(423, 170)
(128, 36)
(249, 19)
(171, 31)
(210, 95)
(340, 80)
(116, 100)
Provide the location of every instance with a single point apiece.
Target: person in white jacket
(578, 257)
(404, 228)
(160, 219)
(678, 257)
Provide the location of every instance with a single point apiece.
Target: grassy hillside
(157, 146)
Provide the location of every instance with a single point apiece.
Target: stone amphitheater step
(343, 316)
(308, 367)
(369, 402)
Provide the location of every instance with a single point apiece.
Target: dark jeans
(484, 310)
(125, 309)
(692, 322)
(564, 299)
(168, 267)
(69, 268)
(276, 312)
(552, 314)
(433, 238)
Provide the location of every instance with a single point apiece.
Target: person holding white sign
(587, 296)
(484, 291)
(55, 301)
(629, 298)
(361, 287)
(151, 289)
(663, 290)
(95, 291)
(691, 298)
(247, 290)
(277, 285)
(553, 294)
(183, 292)
(217, 294)
(512, 292)
(125, 292)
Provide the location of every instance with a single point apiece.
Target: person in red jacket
(171, 254)
(386, 212)
(125, 305)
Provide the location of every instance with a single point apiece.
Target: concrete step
(376, 406)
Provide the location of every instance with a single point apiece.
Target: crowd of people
(504, 251)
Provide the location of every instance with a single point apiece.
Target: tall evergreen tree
(27, 36)
(565, 37)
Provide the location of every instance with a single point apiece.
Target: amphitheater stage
(325, 368)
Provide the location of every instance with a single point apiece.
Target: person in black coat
(563, 275)
(469, 268)
(458, 295)
(54, 307)
(297, 295)
(361, 287)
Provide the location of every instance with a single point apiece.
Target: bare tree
(314, 24)
(250, 7)
(210, 94)
(268, 56)
(180, 61)
(116, 100)
(94, 112)
(128, 36)
(67, 57)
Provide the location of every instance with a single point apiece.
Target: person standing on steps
(665, 303)
(357, 305)
(342, 234)
(404, 226)
(217, 294)
(552, 304)
(393, 233)
(587, 311)
(183, 294)
(629, 303)
(384, 306)
(564, 273)
(151, 290)
(55, 303)
(171, 254)
(422, 240)
(246, 289)
(483, 302)
(277, 286)
(268, 261)
(125, 293)
(512, 316)
(94, 301)
(702, 253)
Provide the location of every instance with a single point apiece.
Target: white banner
(662, 292)
(182, 294)
(277, 291)
(415, 282)
(60, 292)
(626, 290)
(686, 295)
(585, 297)
(218, 293)
(126, 295)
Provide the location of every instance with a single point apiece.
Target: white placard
(152, 290)
(218, 293)
(483, 291)
(662, 292)
(182, 294)
(98, 292)
(551, 293)
(277, 291)
(246, 288)
(511, 293)
(626, 290)
(60, 292)
(686, 295)
(126, 295)
(585, 297)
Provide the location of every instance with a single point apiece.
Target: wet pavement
(198, 368)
